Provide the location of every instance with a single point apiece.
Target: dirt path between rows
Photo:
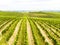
(11, 40)
(30, 36)
(44, 34)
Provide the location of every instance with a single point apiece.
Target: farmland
(29, 28)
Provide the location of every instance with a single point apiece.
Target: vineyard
(33, 28)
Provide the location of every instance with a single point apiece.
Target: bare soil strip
(44, 34)
(30, 36)
(11, 40)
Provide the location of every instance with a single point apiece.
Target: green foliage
(47, 20)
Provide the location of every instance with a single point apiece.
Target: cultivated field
(29, 28)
